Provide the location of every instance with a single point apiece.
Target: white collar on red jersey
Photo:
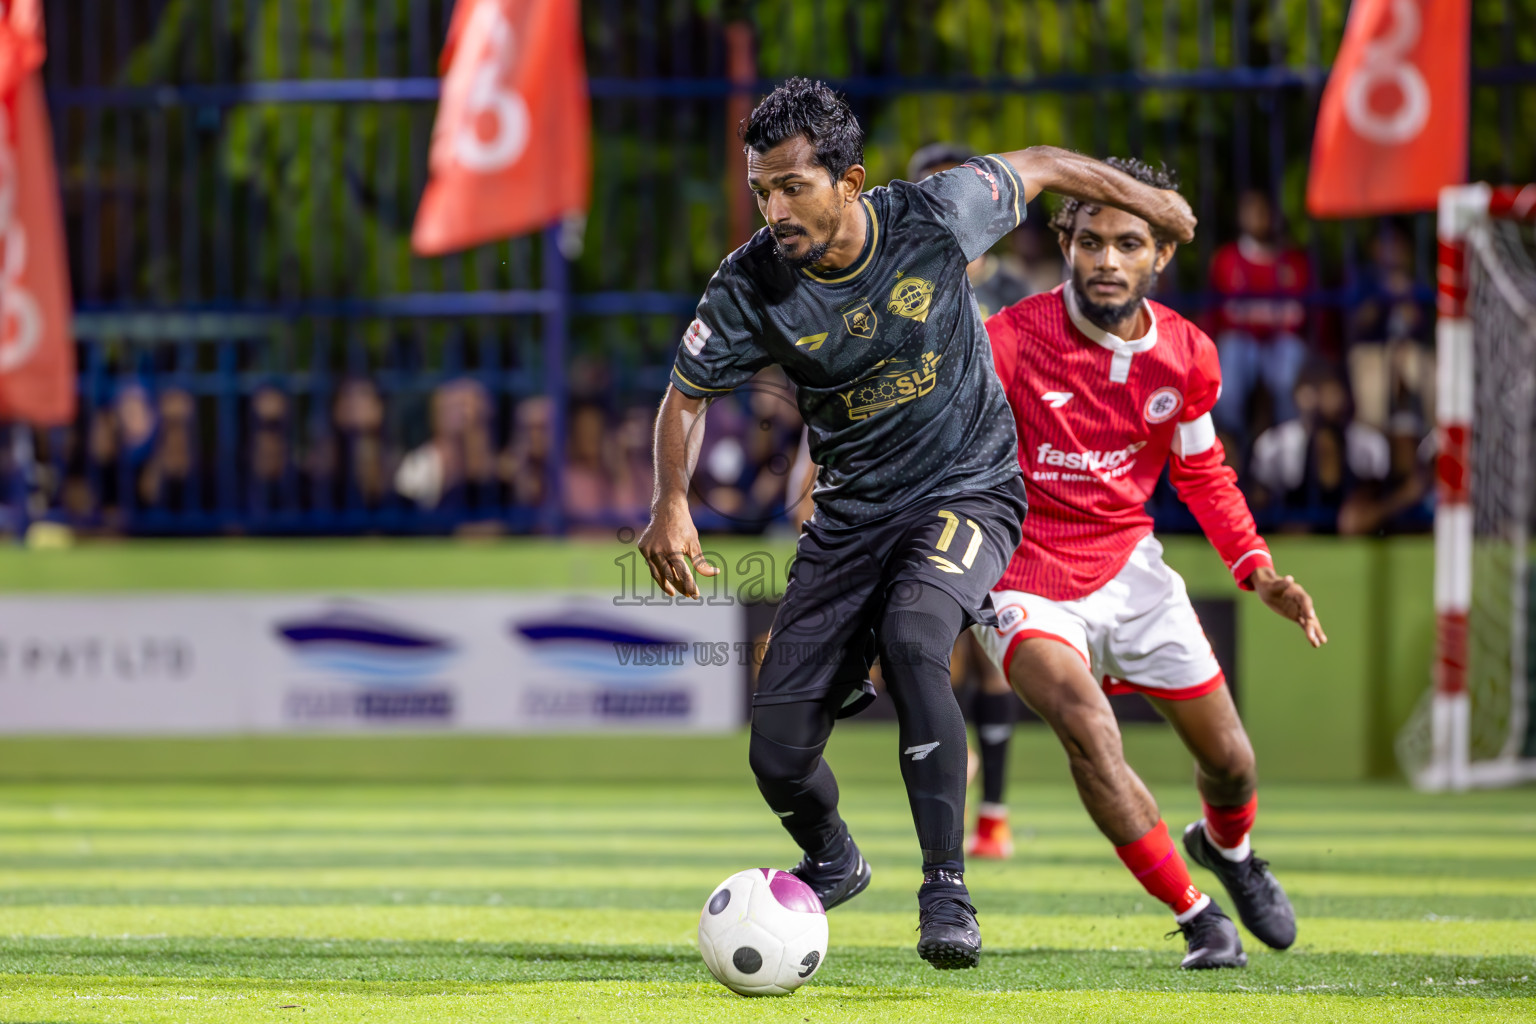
(1095, 333)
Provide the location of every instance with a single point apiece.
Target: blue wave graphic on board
(353, 643)
(609, 652)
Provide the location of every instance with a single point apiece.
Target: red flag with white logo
(1392, 129)
(511, 148)
(37, 352)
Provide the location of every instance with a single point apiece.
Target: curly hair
(807, 108)
(1065, 218)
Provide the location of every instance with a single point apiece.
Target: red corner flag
(1392, 128)
(37, 352)
(511, 149)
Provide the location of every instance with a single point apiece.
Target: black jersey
(889, 354)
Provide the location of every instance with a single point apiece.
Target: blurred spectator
(636, 468)
(119, 438)
(350, 461)
(457, 466)
(166, 480)
(268, 446)
(1259, 315)
(1400, 502)
(587, 481)
(1391, 363)
(358, 415)
(1311, 465)
(589, 377)
(996, 284)
(525, 465)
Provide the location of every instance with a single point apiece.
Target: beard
(810, 258)
(1107, 315)
(824, 222)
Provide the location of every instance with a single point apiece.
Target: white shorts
(1138, 633)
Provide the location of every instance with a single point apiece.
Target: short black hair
(1065, 218)
(806, 108)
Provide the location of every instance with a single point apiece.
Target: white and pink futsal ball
(763, 933)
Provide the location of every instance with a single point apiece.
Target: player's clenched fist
(670, 547)
(1288, 598)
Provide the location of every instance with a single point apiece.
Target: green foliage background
(321, 196)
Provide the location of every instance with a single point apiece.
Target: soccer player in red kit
(1106, 388)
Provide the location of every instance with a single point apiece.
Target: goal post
(1475, 726)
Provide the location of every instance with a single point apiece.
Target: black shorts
(823, 638)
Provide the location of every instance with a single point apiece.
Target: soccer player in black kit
(862, 298)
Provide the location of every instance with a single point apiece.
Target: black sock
(785, 754)
(917, 632)
(994, 728)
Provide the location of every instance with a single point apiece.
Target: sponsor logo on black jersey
(892, 388)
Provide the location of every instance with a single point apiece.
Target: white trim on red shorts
(1027, 634)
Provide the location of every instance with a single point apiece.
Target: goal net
(1477, 725)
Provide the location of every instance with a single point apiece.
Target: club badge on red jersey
(1163, 405)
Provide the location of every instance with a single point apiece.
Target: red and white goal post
(1475, 728)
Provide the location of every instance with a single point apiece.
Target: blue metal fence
(260, 353)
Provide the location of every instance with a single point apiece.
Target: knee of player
(1092, 735)
(778, 762)
(1231, 762)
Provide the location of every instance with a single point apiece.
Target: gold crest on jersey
(910, 298)
(861, 321)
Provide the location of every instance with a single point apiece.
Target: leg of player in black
(786, 756)
(818, 654)
(1227, 779)
(916, 633)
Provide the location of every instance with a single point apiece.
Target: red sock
(1229, 826)
(1160, 869)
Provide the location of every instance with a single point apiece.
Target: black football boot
(1212, 941)
(837, 880)
(1261, 904)
(949, 937)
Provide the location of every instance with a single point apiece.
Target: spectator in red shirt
(1259, 316)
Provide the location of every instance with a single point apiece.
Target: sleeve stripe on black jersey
(697, 387)
(1018, 189)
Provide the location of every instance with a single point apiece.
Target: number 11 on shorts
(951, 524)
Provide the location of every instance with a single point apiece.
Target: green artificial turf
(539, 901)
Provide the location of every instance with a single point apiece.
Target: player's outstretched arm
(1049, 169)
(670, 544)
(1287, 598)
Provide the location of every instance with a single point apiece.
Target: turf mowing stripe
(1310, 809)
(523, 963)
(896, 875)
(654, 897)
(767, 849)
(643, 1002)
(22, 851)
(617, 926)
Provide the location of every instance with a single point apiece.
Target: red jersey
(1098, 418)
(1260, 292)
